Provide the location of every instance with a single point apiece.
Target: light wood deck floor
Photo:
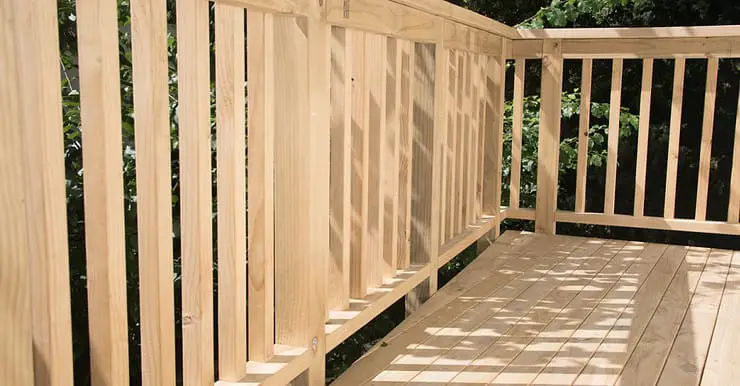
(560, 310)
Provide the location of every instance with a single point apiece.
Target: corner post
(549, 137)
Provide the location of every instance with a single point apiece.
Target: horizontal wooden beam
(595, 48)
(284, 7)
(520, 213)
(464, 239)
(461, 15)
(287, 363)
(386, 18)
(647, 222)
(461, 37)
(342, 324)
(627, 33)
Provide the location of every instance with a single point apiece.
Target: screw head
(315, 343)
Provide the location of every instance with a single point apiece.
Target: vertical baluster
(706, 139)
(405, 160)
(674, 138)
(583, 129)
(390, 167)
(360, 149)
(516, 134)
(733, 210)
(615, 101)
(643, 135)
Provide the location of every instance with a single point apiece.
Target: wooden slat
(516, 134)
(649, 222)
(260, 195)
(685, 363)
(452, 139)
(446, 184)
(319, 68)
(584, 125)
(360, 149)
(472, 122)
(405, 159)
(706, 139)
(375, 53)
(104, 234)
(17, 350)
(615, 101)
(195, 192)
(643, 135)
(231, 195)
(390, 167)
(630, 32)
(549, 137)
(674, 138)
(478, 86)
(340, 177)
(465, 145)
(495, 86)
(459, 140)
(464, 239)
(719, 368)
(462, 37)
(37, 338)
(430, 83)
(733, 210)
(154, 192)
(481, 134)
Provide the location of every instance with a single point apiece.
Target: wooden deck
(560, 310)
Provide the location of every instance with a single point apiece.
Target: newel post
(549, 137)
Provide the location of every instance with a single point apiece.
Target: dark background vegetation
(526, 14)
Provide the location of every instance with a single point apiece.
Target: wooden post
(430, 116)
(549, 137)
(494, 126)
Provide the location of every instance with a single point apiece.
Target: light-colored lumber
(468, 142)
(674, 138)
(615, 101)
(722, 359)
(460, 152)
(521, 214)
(100, 105)
(384, 17)
(260, 195)
(37, 338)
(340, 163)
(17, 350)
(584, 125)
(231, 194)
(733, 210)
(282, 368)
(389, 143)
(706, 139)
(447, 138)
(685, 362)
(494, 126)
(527, 48)
(360, 149)
(643, 135)
(464, 239)
(516, 134)
(461, 15)
(477, 85)
(461, 37)
(195, 192)
(283, 7)
(650, 48)
(655, 343)
(631, 32)
(549, 137)
(405, 155)
(430, 83)
(342, 324)
(375, 57)
(154, 192)
(481, 134)
(649, 222)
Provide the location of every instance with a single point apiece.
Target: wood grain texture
(405, 155)
(33, 237)
(340, 164)
(359, 265)
(516, 134)
(231, 194)
(385, 17)
(674, 138)
(615, 101)
(584, 126)
(195, 192)
(549, 137)
(643, 134)
(390, 177)
(154, 193)
(260, 195)
(100, 114)
(707, 128)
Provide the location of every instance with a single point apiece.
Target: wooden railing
(551, 47)
(374, 156)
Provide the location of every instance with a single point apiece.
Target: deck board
(538, 309)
